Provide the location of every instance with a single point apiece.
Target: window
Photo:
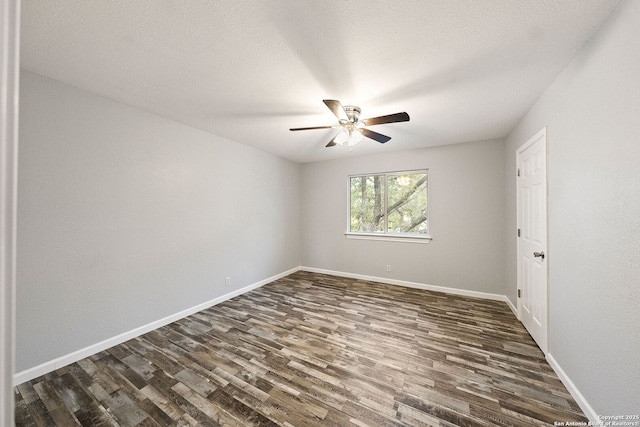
(389, 204)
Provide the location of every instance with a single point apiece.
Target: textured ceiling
(464, 70)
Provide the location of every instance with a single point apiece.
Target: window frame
(385, 235)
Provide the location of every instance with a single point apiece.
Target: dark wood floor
(312, 349)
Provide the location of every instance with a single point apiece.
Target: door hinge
(518, 171)
(519, 293)
(518, 232)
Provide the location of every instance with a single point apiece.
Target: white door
(532, 239)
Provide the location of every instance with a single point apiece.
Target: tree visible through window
(389, 203)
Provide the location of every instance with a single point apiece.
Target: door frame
(542, 134)
(9, 78)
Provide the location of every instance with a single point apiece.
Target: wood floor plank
(314, 350)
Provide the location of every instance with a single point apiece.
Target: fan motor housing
(352, 112)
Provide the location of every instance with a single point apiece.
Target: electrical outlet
(227, 281)
(388, 268)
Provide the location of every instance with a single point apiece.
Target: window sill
(388, 237)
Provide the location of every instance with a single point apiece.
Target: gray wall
(593, 134)
(466, 213)
(125, 218)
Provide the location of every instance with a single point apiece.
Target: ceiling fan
(352, 129)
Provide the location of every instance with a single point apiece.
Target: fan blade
(333, 141)
(375, 135)
(311, 128)
(391, 118)
(336, 108)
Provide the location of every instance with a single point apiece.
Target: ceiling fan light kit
(346, 137)
(352, 129)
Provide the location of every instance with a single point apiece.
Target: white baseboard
(464, 292)
(511, 306)
(456, 291)
(65, 360)
(571, 387)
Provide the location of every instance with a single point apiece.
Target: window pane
(407, 203)
(367, 204)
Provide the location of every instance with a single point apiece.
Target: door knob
(539, 254)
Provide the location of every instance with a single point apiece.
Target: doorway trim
(542, 134)
(9, 78)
